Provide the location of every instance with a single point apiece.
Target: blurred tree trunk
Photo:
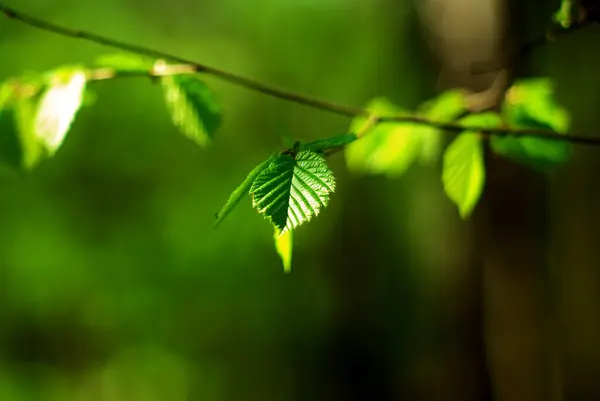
(509, 222)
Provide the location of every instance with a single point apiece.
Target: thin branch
(190, 66)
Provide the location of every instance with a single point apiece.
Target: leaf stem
(189, 66)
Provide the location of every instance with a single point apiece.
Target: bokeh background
(115, 287)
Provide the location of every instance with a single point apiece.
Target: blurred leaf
(292, 190)
(566, 14)
(333, 142)
(389, 148)
(126, 62)
(192, 106)
(464, 172)
(241, 190)
(284, 245)
(445, 108)
(34, 124)
(488, 119)
(29, 150)
(57, 108)
(531, 104)
(19, 146)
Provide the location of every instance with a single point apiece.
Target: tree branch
(190, 66)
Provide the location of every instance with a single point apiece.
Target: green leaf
(389, 148)
(192, 106)
(531, 104)
(125, 62)
(284, 245)
(293, 190)
(241, 190)
(58, 107)
(34, 125)
(566, 14)
(445, 108)
(464, 172)
(488, 119)
(333, 142)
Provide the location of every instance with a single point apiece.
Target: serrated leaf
(241, 190)
(463, 175)
(193, 109)
(337, 141)
(57, 109)
(389, 148)
(531, 104)
(293, 190)
(284, 245)
(444, 108)
(125, 62)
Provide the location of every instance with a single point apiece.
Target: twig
(190, 66)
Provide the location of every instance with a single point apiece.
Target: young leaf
(241, 190)
(445, 108)
(488, 119)
(292, 190)
(334, 142)
(531, 104)
(464, 172)
(57, 108)
(389, 148)
(284, 245)
(192, 107)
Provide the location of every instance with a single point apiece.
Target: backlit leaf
(389, 148)
(284, 245)
(444, 108)
(531, 104)
(464, 172)
(292, 190)
(57, 109)
(193, 109)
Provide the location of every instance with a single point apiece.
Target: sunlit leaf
(57, 109)
(389, 148)
(241, 191)
(284, 245)
(193, 109)
(445, 108)
(488, 119)
(293, 190)
(531, 104)
(333, 142)
(464, 172)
